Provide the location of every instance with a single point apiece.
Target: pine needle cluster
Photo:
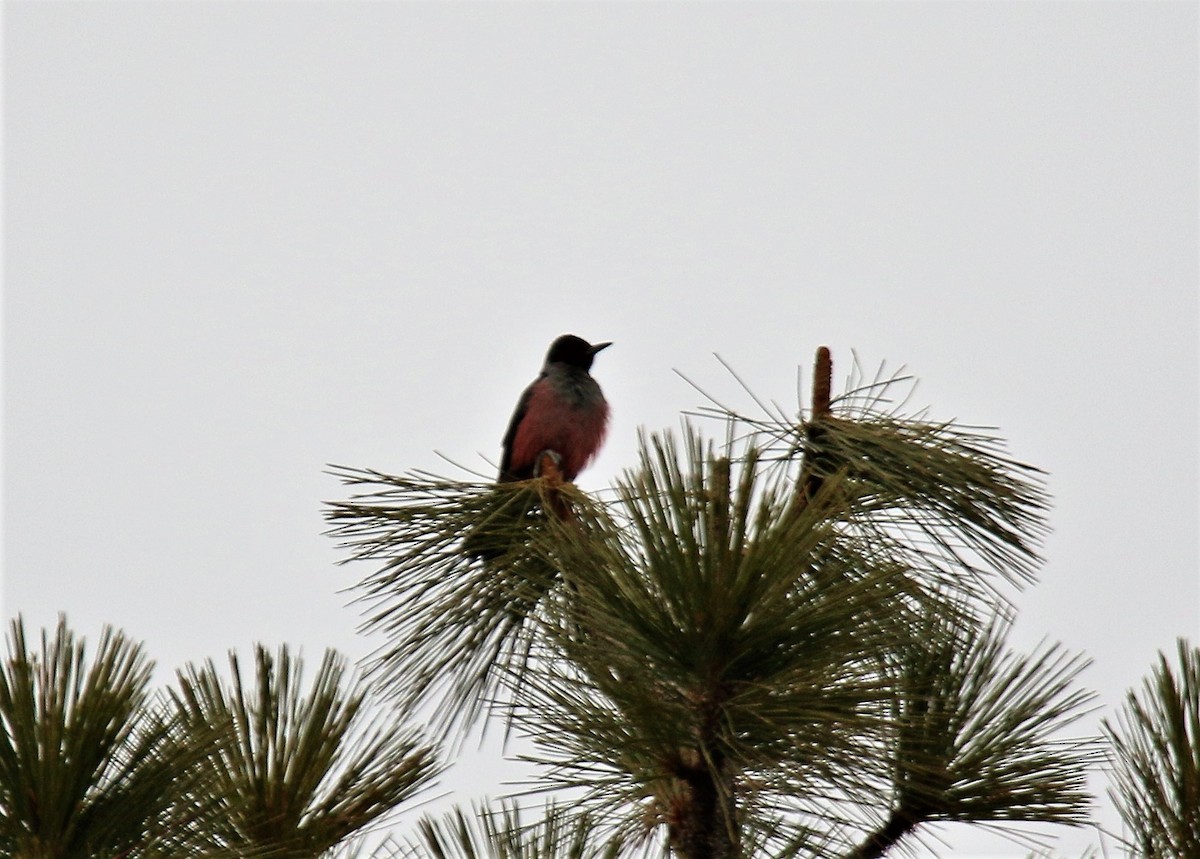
(94, 764)
(789, 642)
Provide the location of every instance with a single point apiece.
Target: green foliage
(455, 625)
(792, 644)
(979, 729)
(787, 647)
(298, 770)
(934, 495)
(501, 833)
(93, 766)
(705, 629)
(1156, 749)
(90, 766)
(715, 626)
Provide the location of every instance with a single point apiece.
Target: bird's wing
(511, 433)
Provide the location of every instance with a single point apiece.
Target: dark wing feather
(511, 433)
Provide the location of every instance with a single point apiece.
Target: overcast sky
(243, 240)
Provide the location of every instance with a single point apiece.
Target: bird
(562, 411)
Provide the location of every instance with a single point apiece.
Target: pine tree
(297, 769)
(790, 642)
(92, 766)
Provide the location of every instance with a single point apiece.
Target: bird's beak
(596, 347)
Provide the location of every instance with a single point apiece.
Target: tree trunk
(703, 821)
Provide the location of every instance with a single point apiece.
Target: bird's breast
(565, 414)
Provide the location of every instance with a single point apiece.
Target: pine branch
(724, 656)
(503, 832)
(301, 767)
(892, 832)
(1156, 746)
(977, 735)
(811, 479)
(459, 590)
(755, 651)
(938, 496)
(90, 764)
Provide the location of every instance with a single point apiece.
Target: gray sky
(245, 240)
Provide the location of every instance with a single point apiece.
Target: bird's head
(574, 351)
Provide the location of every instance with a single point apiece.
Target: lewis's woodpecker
(562, 410)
